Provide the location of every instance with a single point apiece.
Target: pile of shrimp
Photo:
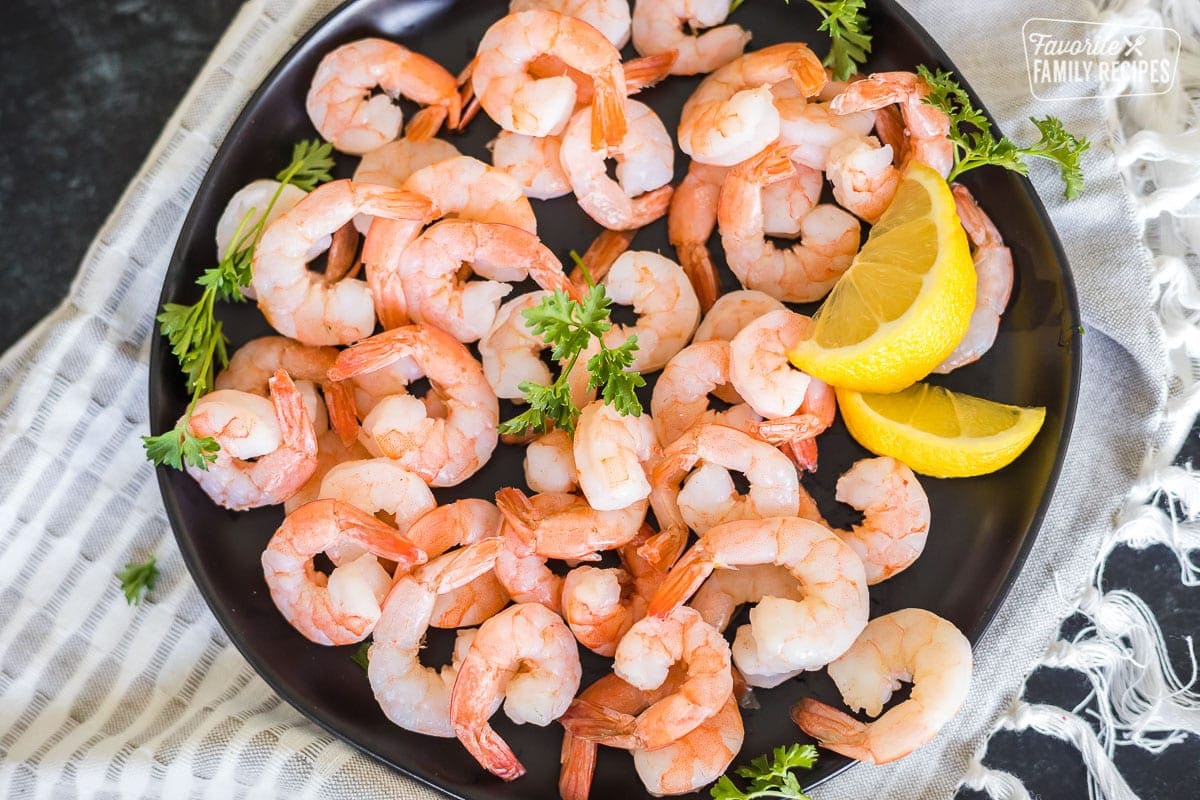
(627, 537)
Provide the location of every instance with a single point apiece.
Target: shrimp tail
(425, 124)
(663, 549)
(491, 751)
(644, 72)
(802, 452)
(519, 513)
(650, 206)
(467, 101)
(835, 730)
(770, 166)
(698, 264)
(744, 692)
(297, 429)
(371, 354)
(681, 582)
(786, 429)
(596, 723)
(343, 416)
(600, 256)
(807, 73)
(608, 113)
(343, 246)
(399, 204)
(578, 761)
(378, 537)
(465, 564)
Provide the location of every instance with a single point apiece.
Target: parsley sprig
(195, 334)
(769, 777)
(137, 579)
(568, 326)
(849, 33)
(975, 145)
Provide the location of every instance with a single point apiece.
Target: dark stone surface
(84, 90)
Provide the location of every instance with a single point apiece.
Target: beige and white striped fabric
(101, 700)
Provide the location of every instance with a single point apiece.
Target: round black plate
(982, 527)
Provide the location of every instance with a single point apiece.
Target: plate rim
(159, 351)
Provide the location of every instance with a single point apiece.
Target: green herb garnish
(769, 777)
(137, 579)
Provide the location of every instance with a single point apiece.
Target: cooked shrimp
(540, 107)
(774, 486)
(565, 526)
(527, 655)
(331, 451)
(308, 599)
(534, 162)
(732, 312)
(801, 273)
(863, 176)
(993, 282)
(643, 658)
(718, 598)
(645, 160)
(783, 635)
(600, 605)
(412, 695)
(611, 451)
(392, 164)
(346, 114)
(459, 188)
(550, 463)
(811, 128)
(732, 115)
(245, 209)
(681, 395)
(610, 17)
(463, 522)
(443, 450)
(437, 295)
(523, 572)
(895, 510)
(252, 365)
(664, 301)
(927, 127)
(294, 299)
(372, 388)
(660, 26)
(510, 351)
(691, 220)
(907, 645)
(761, 373)
(268, 448)
(380, 485)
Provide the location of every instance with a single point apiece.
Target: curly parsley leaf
(179, 446)
(137, 579)
(975, 145)
(312, 164)
(362, 655)
(849, 35)
(769, 777)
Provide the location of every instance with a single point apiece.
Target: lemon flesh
(938, 432)
(906, 300)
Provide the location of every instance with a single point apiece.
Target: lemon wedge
(939, 432)
(906, 300)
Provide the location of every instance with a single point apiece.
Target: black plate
(982, 527)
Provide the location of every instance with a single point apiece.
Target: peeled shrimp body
(907, 645)
(927, 128)
(393, 163)
(610, 453)
(993, 282)
(732, 115)
(346, 114)
(664, 301)
(324, 609)
(681, 394)
(458, 188)
(463, 522)
(610, 17)
(412, 695)
(541, 107)
(510, 352)
(252, 365)
(645, 160)
(718, 598)
(660, 26)
(380, 485)
(331, 451)
(372, 388)
(431, 266)
(643, 658)
(810, 128)
(774, 486)
(550, 463)
(565, 526)
(453, 442)
(761, 373)
(801, 273)
(255, 196)
(525, 655)
(732, 312)
(784, 636)
(268, 447)
(296, 301)
(534, 163)
(895, 510)
(863, 176)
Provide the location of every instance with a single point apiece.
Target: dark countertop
(85, 89)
